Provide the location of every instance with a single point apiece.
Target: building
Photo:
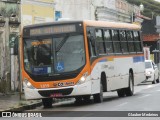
(106, 10)
(32, 12)
(14, 14)
(151, 37)
(9, 26)
(113, 10)
(73, 9)
(36, 11)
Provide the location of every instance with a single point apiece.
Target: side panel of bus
(116, 68)
(117, 72)
(139, 71)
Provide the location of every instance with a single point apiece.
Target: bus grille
(48, 93)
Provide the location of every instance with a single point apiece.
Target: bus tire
(78, 100)
(121, 92)
(98, 98)
(47, 102)
(86, 98)
(154, 80)
(130, 90)
(157, 79)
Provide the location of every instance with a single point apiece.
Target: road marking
(145, 96)
(158, 90)
(122, 104)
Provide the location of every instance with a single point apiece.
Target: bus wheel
(78, 100)
(154, 80)
(87, 98)
(121, 93)
(130, 90)
(157, 79)
(47, 102)
(98, 98)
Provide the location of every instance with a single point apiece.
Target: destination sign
(52, 30)
(36, 43)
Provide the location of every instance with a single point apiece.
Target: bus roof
(91, 23)
(112, 24)
(51, 23)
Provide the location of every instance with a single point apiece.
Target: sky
(157, 0)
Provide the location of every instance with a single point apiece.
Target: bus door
(95, 77)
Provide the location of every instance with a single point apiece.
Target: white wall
(81, 9)
(106, 10)
(75, 9)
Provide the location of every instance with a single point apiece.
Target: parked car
(151, 71)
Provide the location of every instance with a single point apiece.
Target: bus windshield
(54, 55)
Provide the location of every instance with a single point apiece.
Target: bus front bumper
(71, 91)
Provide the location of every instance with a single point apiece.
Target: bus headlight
(149, 72)
(83, 78)
(28, 84)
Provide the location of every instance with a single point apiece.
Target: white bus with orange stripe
(81, 59)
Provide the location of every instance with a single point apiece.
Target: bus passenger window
(138, 46)
(108, 41)
(136, 36)
(116, 42)
(124, 44)
(99, 41)
(92, 50)
(137, 42)
(130, 41)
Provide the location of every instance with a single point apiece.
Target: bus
(81, 59)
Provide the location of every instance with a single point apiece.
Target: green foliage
(151, 7)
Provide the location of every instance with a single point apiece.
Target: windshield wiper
(62, 43)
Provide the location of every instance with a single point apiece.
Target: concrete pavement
(12, 102)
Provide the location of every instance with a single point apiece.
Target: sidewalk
(12, 102)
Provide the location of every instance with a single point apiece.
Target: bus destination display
(52, 30)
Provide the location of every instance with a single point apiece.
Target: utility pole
(13, 86)
(7, 53)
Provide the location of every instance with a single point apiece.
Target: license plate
(56, 95)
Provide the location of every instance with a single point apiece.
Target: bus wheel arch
(98, 98)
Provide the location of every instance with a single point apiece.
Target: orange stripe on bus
(111, 58)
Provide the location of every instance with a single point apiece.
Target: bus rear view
(54, 57)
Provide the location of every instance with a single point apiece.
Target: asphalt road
(145, 100)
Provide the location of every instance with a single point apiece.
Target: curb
(31, 106)
(24, 107)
